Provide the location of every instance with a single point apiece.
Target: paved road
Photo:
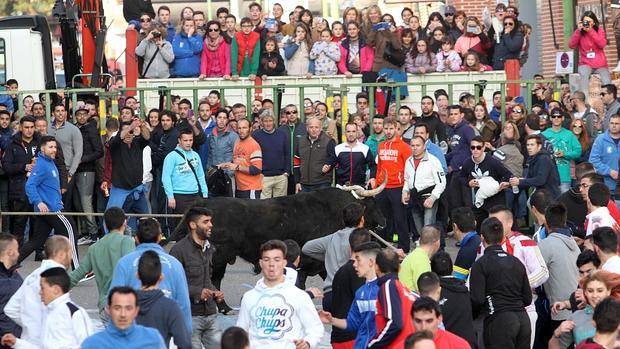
(239, 279)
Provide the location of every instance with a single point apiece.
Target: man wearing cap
(453, 29)
(85, 174)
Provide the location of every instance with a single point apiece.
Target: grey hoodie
(160, 68)
(560, 252)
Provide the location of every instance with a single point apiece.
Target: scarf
(212, 45)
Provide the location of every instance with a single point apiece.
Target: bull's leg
(217, 275)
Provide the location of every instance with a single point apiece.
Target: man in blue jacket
(174, 284)
(183, 176)
(43, 192)
(540, 171)
(605, 153)
(122, 331)
(460, 138)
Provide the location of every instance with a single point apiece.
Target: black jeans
(43, 225)
(395, 213)
(507, 330)
(18, 223)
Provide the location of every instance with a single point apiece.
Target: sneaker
(85, 240)
(163, 241)
(617, 69)
(87, 277)
(39, 256)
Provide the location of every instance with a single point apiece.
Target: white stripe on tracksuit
(70, 235)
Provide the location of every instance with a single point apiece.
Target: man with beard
(405, 117)
(436, 128)
(377, 135)
(247, 164)
(194, 250)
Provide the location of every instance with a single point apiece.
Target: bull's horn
(365, 193)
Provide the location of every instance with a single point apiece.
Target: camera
(472, 29)
(586, 24)
(156, 34)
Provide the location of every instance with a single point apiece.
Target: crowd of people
(530, 198)
(366, 41)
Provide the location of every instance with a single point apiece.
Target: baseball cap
(450, 9)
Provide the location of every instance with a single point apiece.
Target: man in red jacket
(426, 316)
(394, 304)
(391, 158)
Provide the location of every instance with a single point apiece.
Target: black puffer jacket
(10, 281)
(92, 148)
(456, 308)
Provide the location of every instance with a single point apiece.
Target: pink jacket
(222, 53)
(590, 41)
(367, 56)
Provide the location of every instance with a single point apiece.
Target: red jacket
(448, 340)
(392, 156)
(393, 316)
(245, 43)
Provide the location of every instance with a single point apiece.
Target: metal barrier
(83, 214)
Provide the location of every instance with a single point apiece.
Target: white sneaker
(87, 277)
(617, 69)
(85, 240)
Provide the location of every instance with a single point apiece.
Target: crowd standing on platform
(530, 198)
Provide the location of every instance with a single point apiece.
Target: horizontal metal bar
(83, 214)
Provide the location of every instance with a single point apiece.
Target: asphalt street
(239, 278)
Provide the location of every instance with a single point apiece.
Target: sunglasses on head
(476, 147)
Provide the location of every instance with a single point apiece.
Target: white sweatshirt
(65, 326)
(275, 317)
(25, 306)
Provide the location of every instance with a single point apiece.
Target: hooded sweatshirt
(163, 314)
(178, 177)
(134, 337)
(275, 317)
(455, 305)
(560, 252)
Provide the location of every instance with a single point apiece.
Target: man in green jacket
(566, 147)
(103, 255)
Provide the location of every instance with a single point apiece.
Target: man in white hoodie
(276, 314)
(25, 306)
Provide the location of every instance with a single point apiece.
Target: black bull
(240, 226)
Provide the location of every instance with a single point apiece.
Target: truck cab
(26, 52)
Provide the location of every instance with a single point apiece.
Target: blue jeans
(132, 201)
(517, 202)
(396, 76)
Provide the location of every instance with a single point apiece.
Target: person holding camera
(590, 39)
(473, 39)
(157, 54)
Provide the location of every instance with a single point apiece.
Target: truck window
(2, 62)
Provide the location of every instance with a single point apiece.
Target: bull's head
(360, 192)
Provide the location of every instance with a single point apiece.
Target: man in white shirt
(276, 314)
(65, 324)
(598, 213)
(605, 243)
(25, 306)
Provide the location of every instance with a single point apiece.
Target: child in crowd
(326, 55)
(297, 52)
(471, 63)
(421, 61)
(448, 60)
(271, 62)
(214, 101)
(338, 32)
(245, 51)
